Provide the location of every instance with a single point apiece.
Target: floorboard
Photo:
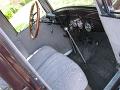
(101, 63)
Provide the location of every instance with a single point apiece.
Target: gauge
(76, 23)
(80, 24)
(73, 23)
(88, 27)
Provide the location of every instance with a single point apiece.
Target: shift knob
(66, 28)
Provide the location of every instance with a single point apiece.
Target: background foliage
(12, 8)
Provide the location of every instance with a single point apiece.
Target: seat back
(20, 74)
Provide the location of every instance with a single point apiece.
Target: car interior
(70, 48)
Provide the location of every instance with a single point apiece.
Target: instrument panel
(81, 19)
(76, 23)
(79, 24)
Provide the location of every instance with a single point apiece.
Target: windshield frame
(64, 6)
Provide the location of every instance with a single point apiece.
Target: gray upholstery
(53, 69)
(3, 84)
(45, 37)
(41, 56)
(21, 59)
(58, 71)
(27, 46)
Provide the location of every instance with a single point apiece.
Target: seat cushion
(59, 72)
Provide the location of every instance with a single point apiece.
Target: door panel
(112, 28)
(27, 46)
(45, 37)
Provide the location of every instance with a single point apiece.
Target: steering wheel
(34, 20)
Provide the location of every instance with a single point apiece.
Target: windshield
(56, 4)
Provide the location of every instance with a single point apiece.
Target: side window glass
(116, 4)
(114, 7)
(17, 12)
(102, 7)
(110, 8)
(4, 85)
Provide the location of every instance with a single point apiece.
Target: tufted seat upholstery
(59, 72)
(53, 69)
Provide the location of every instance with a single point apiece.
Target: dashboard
(79, 19)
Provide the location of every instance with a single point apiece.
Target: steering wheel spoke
(34, 19)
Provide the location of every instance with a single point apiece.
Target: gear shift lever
(71, 38)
